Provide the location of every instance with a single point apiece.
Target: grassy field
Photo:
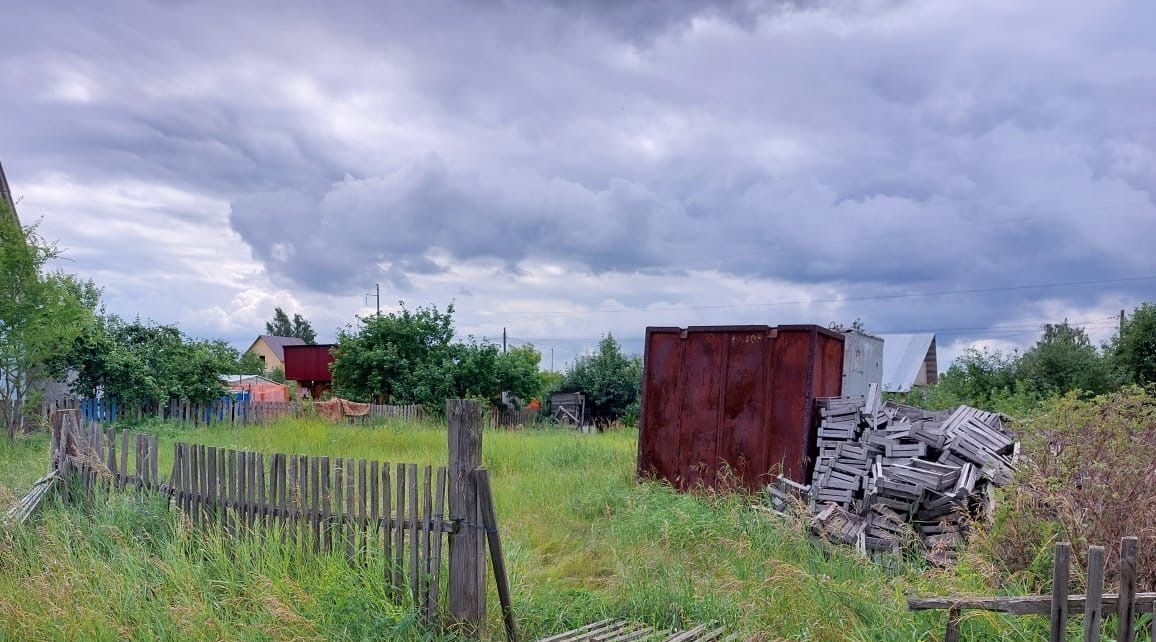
(584, 541)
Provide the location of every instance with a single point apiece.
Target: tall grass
(583, 540)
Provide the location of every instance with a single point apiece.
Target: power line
(881, 297)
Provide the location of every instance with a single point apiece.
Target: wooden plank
(326, 516)
(338, 504)
(1126, 605)
(230, 516)
(315, 503)
(374, 503)
(426, 528)
(414, 546)
(362, 512)
(154, 461)
(261, 501)
(302, 500)
(387, 528)
(352, 524)
(490, 523)
(467, 555)
(399, 538)
(294, 499)
(124, 462)
(1059, 608)
(1093, 610)
(282, 499)
(433, 608)
(211, 486)
(242, 492)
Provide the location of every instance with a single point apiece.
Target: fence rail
(1127, 604)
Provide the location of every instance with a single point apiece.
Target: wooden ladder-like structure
(624, 631)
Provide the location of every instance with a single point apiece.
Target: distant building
(6, 197)
(271, 350)
(309, 367)
(909, 360)
(862, 362)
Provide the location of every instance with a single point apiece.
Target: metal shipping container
(722, 403)
(862, 362)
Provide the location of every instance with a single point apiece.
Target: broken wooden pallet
(624, 631)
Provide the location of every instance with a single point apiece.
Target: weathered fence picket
(1059, 605)
(217, 412)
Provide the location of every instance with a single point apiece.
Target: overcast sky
(574, 168)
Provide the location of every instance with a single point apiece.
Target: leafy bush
(1088, 476)
(611, 382)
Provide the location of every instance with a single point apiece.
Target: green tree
(978, 377)
(41, 314)
(1063, 360)
(611, 382)
(1133, 350)
(147, 364)
(283, 326)
(400, 357)
(250, 363)
(518, 372)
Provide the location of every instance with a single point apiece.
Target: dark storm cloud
(878, 147)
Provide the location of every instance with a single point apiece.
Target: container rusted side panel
(704, 365)
(662, 374)
(308, 363)
(733, 404)
(743, 441)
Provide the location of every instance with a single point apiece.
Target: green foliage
(410, 357)
(611, 382)
(278, 374)
(1064, 359)
(282, 326)
(251, 363)
(400, 357)
(1133, 350)
(41, 313)
(141, 363)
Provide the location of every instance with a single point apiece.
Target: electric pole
(376, 296)
(503, 341)
(1121, 322)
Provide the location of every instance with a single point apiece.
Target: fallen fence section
(623, 631)
(1126, 604)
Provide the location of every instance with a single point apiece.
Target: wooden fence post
(1126, 606)
(1060, 576)
(467, 594)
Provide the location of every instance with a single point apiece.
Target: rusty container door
(732, 405)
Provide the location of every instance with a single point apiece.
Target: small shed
(568, 407)
(862, 362)
(909, 360)
(734, 404)
(308, 365)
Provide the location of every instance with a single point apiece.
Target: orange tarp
(263, 391)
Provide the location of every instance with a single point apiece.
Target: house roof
(6, 195)
(903, 357)
(277, 344)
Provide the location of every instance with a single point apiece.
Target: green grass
(583, 540)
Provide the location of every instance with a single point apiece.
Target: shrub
(1087, 476)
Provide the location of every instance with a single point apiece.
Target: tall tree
(41, 314)
(283, 326)
(1133, 350)
(1064, 359)
(611, 381)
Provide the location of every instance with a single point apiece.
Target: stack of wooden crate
(886, 473)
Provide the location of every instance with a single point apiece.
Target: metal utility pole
(377, 297)
(1121, 322)
(503, 340)
(551, 359)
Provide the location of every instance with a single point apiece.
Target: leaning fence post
(490, 522)
(1126, 607)
(467, 595)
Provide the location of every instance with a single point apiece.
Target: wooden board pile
(887, 473)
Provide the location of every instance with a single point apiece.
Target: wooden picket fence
(1127, 604)
(218, 412)
(405, 514)
(499, 417)
(326, 504)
